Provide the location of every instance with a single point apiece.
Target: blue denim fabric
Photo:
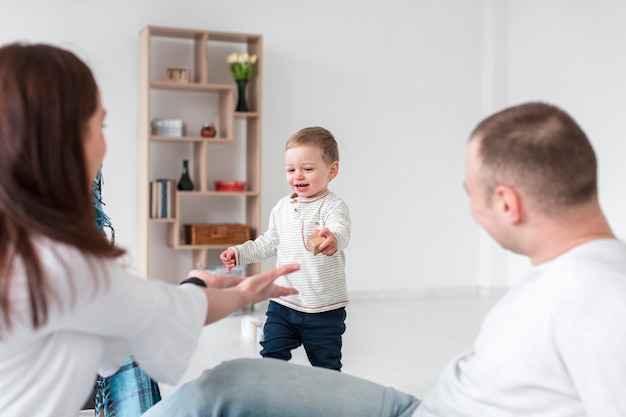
(320, 333)
(274, 388)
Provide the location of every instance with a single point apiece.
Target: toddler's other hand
(228, 259)
(329, 246)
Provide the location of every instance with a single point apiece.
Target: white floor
(402, 343)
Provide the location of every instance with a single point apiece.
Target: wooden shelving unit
(208, 96)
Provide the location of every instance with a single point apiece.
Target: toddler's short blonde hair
(317, 137)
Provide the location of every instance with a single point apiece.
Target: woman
(68, 309)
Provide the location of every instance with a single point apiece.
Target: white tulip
(253, 59)
(232, 58)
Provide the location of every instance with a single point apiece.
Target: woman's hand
(261, 286)
(227, 294)
(214, 281)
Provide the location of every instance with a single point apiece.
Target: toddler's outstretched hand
(228, 259)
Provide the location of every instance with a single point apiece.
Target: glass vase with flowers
(241, 66)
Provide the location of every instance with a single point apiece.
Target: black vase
(242, 104)
(185, 183)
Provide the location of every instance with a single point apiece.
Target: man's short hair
(538, 148)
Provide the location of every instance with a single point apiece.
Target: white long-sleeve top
(99, 316)
(321, 280)
(554, 346)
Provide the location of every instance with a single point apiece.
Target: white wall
(400, 84)
(570, 53)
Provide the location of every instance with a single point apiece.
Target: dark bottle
(185, 183)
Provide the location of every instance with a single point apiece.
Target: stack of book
(162, 198)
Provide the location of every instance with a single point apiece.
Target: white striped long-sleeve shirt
(321, 280)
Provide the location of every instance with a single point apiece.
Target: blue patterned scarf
(130, 391)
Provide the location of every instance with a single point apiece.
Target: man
(554, 346)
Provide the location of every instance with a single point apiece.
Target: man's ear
(508, 203)
(334, 170)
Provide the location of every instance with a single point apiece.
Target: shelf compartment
(211, 103)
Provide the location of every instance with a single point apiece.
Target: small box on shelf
(177, 74)
(216, 234)
(168, 127)
(230, 185)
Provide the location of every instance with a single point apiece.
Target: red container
(230, 186)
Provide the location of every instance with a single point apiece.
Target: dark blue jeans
(320, 333)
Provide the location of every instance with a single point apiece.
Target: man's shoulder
(597, 266)
(609, 252)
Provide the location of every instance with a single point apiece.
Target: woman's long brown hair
(47, 96)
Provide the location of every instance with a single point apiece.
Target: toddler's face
(307, 173)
